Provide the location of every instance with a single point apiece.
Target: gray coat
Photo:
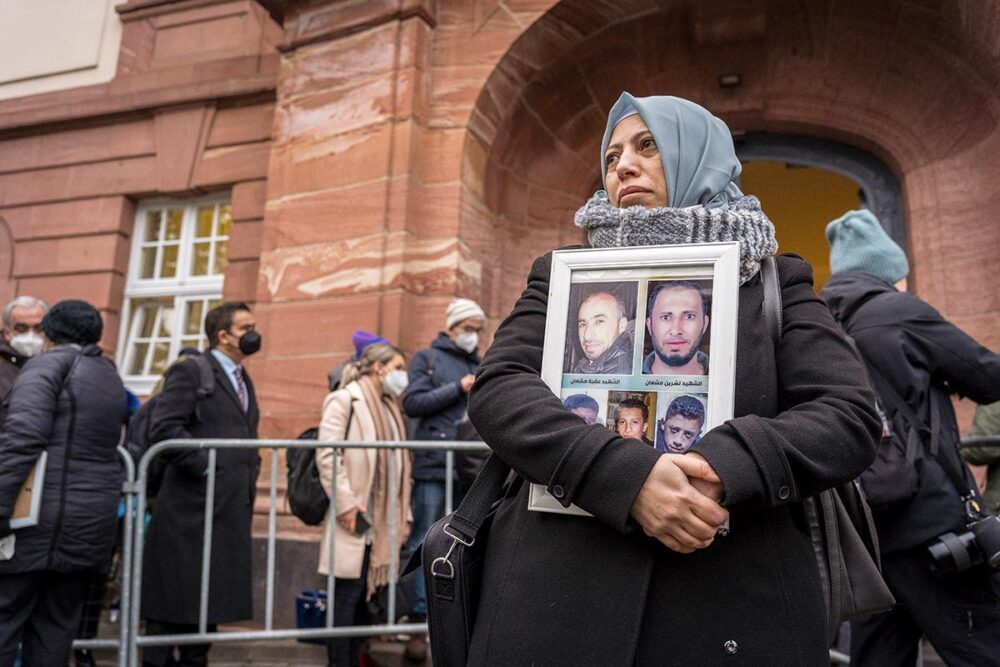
(566, 590)
(71, 404)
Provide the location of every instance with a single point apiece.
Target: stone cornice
(135, 10)
(111, 99)
(310, 25)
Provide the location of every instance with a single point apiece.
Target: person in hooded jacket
(646, 580)
(440, 378)
(920, 357)
(69, 403)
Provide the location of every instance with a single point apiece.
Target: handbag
(451, 558)
(310, 612)
(840, 522)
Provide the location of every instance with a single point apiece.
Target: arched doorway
(901, 83)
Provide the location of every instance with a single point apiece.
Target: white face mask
(395, 382)
(27, 344)
(467, 340)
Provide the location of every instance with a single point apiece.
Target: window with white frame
(174, 278)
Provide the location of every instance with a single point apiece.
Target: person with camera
(940, 550)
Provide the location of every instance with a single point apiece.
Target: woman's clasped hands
(679, 503)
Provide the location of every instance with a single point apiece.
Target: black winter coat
(925, 358)
(172, 557)
(70, 403)
(567, 590)
(437, 399)
(10, 365)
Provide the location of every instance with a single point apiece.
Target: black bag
(138, 437)
(451, 558)
(305, 493)
(841, 526)
(306, 497)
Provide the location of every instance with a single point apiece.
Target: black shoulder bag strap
(466, 521)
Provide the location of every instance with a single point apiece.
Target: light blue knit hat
(858, 243)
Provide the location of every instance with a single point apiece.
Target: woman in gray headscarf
(646, 581)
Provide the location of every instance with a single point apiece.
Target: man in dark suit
(173, 551)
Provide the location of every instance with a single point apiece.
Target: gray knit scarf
(610, 227)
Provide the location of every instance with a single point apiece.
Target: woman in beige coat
(365, 408)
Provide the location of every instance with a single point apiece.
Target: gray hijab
(696, 149)
(700, 165)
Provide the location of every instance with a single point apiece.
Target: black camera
(958, 553)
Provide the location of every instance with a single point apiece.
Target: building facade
(346, 164)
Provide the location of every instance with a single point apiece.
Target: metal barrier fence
(135, 640)
(128, 523)
(134, 495)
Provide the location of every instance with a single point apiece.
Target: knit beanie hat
(73, 321)
(858, 243)
(363, 339)
(462, 309)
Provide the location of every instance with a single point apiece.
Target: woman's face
(397, 363)
(634, 171)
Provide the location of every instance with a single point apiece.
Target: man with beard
(631, 419)
(681, 425)
(677, 319)
(605, 335)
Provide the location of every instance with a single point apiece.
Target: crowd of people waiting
(806, 419)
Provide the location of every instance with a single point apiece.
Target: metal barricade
(202, 636)
(124, 611)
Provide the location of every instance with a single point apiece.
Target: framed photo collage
(642, 341)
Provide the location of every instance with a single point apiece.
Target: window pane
(166, 322)
(221, 261)
(198, 342)
(192, 318)
(138, 359)
(206, 215)
(153, 219)
(199, 261)
(169, 269)
(175, 220)
(225, 220)
(147, 313)
(161, 359)
(148, 263)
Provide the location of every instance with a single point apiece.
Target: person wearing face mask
(364, 408)
(68, 402)
(648, 579)
(173, 552)
(440, 379)
(21, 338)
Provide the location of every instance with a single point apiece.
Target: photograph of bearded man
(676, 320)
(605, 329)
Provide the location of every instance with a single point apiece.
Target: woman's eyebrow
(617, 145)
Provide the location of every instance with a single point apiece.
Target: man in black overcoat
(173, 551)
(914, 355)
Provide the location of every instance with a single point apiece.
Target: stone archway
(913, 85)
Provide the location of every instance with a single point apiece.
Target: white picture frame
(565, 371)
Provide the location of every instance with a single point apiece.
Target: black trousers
(959, 614)
(189, 655)
(348, 609)
(41, 611)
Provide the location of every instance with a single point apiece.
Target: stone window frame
(176, 293)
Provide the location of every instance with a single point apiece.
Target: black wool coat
(566, 590)
(926, 359)
(171, 573)
(70, 403)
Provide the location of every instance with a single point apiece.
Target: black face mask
(250, 342)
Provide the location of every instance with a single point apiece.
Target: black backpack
(138, 438)
(306, 497)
